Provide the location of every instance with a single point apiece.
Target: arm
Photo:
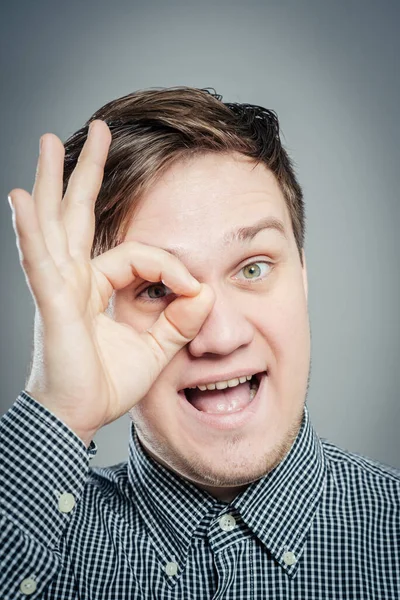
(87, 368)
(41, 460)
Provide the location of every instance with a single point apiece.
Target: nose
(225, 330)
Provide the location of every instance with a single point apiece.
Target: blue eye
(156, 291)
(256, 270)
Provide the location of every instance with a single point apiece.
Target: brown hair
(153, 128)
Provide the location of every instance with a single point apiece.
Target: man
(174, 286)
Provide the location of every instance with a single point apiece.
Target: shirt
(324, 524)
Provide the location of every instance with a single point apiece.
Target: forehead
(198, 201)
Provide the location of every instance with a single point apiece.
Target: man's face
(258, 323)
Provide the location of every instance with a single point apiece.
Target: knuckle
(157, 346)
(25, 263)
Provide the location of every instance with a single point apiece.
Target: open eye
(155, 291)
(255, 271)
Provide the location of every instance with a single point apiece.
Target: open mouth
(232, 398)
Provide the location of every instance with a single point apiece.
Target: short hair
(151, 129)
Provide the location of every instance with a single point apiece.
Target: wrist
(85, 436)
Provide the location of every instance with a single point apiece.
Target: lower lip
(229, 420)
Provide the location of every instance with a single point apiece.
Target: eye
(255, 271)
(156, 291)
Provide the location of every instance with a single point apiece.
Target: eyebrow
(246, 234)
(242, 234)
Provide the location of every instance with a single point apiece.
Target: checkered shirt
(324, 524)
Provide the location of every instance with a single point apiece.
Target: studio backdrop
(330, 71)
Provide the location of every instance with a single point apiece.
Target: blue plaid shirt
(324, 524)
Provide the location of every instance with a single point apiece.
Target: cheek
(148, 416)
(293, 347)
(283, 322)
(155, 410)
(153, 418)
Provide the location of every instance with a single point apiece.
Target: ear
(304, 270)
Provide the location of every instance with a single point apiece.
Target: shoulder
(361, 476)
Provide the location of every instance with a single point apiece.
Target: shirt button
(28, 586)
(66, 502)
(227, 522)
(171, 568)
(289, 558)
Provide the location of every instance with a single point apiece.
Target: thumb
(179, 323)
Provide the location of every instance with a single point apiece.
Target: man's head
(211, 182)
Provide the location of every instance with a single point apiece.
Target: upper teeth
(221, 385)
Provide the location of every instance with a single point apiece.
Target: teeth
(233, 382)
(222, 385)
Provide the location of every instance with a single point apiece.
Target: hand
(87, 368)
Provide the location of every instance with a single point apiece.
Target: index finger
(83, 187)
(131, 260)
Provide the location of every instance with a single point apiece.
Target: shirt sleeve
(44, 466)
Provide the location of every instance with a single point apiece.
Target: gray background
(330, 70)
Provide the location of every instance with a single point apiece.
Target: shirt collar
(278, 508)
(170, 506)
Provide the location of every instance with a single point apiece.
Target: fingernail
(10, 202)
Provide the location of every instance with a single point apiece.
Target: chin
(234, 465)
(227, 459)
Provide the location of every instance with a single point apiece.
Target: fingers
(178, 324)
(47, 194)
(48, 235)
(128, 261)
(83, 188)
(36, 261)
(182, 319)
